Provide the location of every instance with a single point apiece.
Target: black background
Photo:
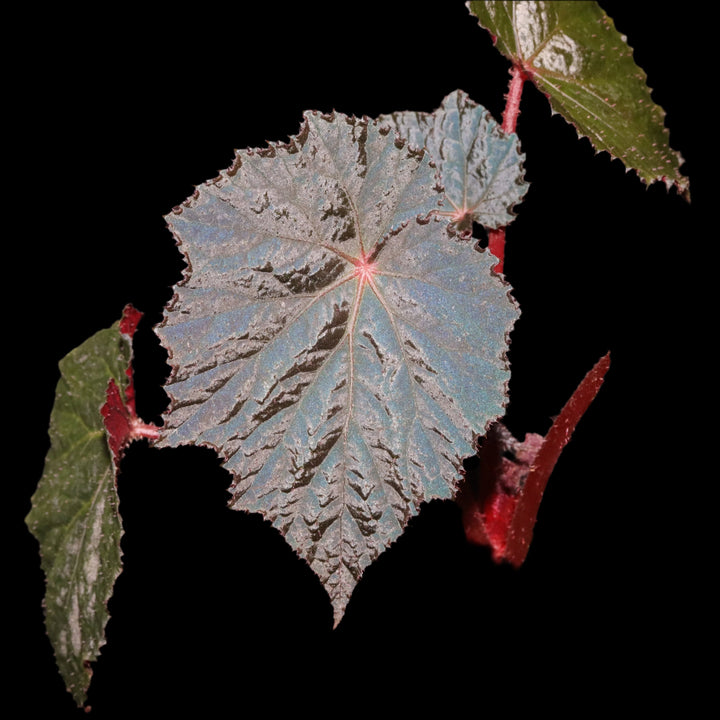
(119, 114)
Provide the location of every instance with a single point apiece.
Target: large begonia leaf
(74, 511)
(480, 166)
(334, 339)
(574, 54)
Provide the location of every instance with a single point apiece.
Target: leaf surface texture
(480, 166)
(334, 339)
(75, 513)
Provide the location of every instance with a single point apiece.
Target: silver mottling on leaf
(336, 341)
(480, 166)
(74, 512)
(584, 66)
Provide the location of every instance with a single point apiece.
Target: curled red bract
(119, 416)
(500, 507)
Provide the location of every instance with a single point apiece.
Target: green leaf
(480, 166)
(336, 341)
(74, 512)
(576, 57)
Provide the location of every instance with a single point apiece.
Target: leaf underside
(479, 165)
(74, 513)
(334, 339)
(576, 57)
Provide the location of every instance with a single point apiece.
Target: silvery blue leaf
(480, 166)
(335, 339)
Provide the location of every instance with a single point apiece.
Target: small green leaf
(74, 512)
(576, 57)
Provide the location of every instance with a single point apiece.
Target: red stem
(512, 99)
(496, 245)
(496, 238)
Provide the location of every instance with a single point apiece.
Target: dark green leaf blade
(74, 513)
(334, 339)
(576, 57)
